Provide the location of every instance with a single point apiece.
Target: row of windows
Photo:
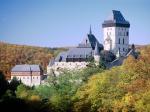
(119, 41)
(120, 33)
(123, 49)
(108, 33)
(71, 64)
(123, 33)
(26, 78)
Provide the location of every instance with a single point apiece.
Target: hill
(11, 54)
(125, 88)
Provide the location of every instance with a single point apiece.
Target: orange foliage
(11, 55)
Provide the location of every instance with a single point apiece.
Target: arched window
(127, 33)
(123, 40)
(86, 41)
(119, 40)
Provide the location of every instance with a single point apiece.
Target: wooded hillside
(11, 54)
(125, 88)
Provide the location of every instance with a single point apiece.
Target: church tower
(116, 33)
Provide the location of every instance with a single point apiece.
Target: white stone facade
(30, 75)
(66, 65)
(27, 79)
(97, 59)
(116, 39)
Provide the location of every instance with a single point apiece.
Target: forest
(11, 54)
(124, 88)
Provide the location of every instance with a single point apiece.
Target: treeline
(11, 54)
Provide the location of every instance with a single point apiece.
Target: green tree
(23, 91)
(3, 84)
(14, 83)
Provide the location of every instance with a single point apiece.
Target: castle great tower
(116, 33)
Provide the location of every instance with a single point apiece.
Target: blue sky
(55, 23)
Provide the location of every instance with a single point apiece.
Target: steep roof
(83, 50)
(116, 19)
(26, 68)
(61, 57)
(90, 41)
(74, 53)
(79, 52)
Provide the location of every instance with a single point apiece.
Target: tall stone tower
(116, 33)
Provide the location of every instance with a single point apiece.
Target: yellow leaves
(100, 90)
(143, 101)
(117, 105)
(138, 68)
(34, 98)
(125, 104)
(120, 88)
(128, 99)
(23, 95)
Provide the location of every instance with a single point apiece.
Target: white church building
(116, 40)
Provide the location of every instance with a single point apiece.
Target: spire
(96, 50)
(90, 30)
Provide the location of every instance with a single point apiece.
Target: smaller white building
(30, 75)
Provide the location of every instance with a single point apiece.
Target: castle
(116, 40)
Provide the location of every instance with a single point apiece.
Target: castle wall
(66, 65)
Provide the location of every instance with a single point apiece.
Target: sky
(60, 23)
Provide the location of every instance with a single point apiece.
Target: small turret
(118, 54)
(96, 50)
(96, 54)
